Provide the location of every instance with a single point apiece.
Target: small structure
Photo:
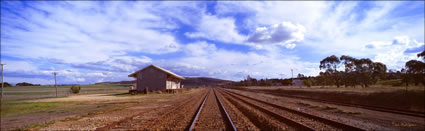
(155, 78)
(297, 82)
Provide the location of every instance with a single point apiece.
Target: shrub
(6, 84)
(75, 89)
(394, 82)
(308, 82)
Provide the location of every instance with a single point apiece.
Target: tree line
(349, 72)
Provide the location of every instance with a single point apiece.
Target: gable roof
(159, 68)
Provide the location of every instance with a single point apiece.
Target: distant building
(156, 78)
(277, 84)
(297, 82)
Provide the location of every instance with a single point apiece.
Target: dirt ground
(94, 111)
(142, 106)
(387, 97)
(88, 112)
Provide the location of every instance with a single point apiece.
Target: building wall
(151, 78)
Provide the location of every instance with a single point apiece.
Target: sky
(90, 41)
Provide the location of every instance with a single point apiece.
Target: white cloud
(214, 28)
(116, 64)
(85, 32)
(378, 44)
(199, 48)
(284, 33)
(392, 53)
(205, 59)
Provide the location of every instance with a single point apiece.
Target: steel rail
(283, 119)
(326, 121)
(224, 109)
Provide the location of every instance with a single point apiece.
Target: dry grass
(388, 97)
(403, 124)
(328, 107)
(349, 112)
(310, 105)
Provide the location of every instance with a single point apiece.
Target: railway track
(209, 115)
(212, 115)
(166, 121)
(294, 119)
(369, 107)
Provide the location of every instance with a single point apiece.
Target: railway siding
(315, 122)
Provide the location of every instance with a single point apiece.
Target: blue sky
(89, 42)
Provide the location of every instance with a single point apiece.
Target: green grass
(23, 92)
(349, 112)
(18, 107)
(403, 124)
(309, 105)
(328, 107)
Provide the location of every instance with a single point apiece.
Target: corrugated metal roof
(159, 68)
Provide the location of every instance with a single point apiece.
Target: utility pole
(55, 73)
(2, 82)
(292, 74)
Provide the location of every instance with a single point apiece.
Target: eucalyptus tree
(350, 75)
(331, 64)
(422, 54)
(415, 70)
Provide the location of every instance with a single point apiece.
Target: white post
(2, 82)
(55, 73)
(292, 74)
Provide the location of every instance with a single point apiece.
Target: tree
(404, 77)
(422, 54)
(415, 71)
(300, 75)
(379, 71)
(308, 82)
(324, 78)
(364, 68)
(350, 75)
(6, 84)
(331, 64)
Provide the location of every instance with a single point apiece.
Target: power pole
(2, 82)
(55, 73)
(292, 74)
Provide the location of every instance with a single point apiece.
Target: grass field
(30, 92)
(16, 99)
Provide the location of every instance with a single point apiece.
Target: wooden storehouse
(156, 78)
